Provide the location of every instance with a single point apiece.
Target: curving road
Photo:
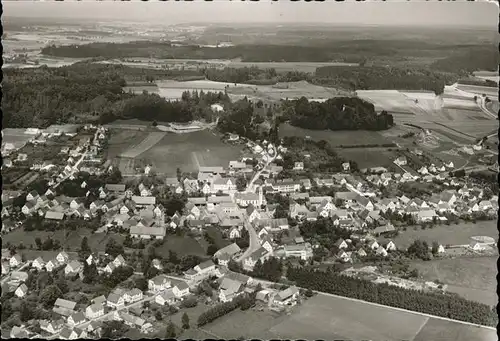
(254, 243)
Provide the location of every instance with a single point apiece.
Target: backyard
(181, 245)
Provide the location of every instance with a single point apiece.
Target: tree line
(445, 305)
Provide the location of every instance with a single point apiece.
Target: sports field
(333, 318)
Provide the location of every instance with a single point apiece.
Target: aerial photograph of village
(240, 171)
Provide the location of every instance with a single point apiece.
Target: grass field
(368, 157)
(448, 234)
(181, 246)
(470, 277)
(329, 318)
(28, 238)
(335, 138)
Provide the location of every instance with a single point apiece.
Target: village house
(52, 264)
(15, 261)
(64, 307)
(19, 333)
(166, 297)
(261, 254)
(94, 311)
(53, 326)
(147, 232)
(303, 251)
(133, 295)
(38, 264)
(229, 289)
(159, 283)
(115, 300)
(73, 268)
(180, 289)
(21, 291)
(343, 256)
(288, 296)
(76, 319)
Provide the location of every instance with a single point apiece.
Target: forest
(448, 57)
(383, 78)
(86, 92)
(445, 305)
(339, 113)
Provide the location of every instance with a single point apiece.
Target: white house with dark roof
(180, 289)
(94, 311)
(159, 283)
(229, 289)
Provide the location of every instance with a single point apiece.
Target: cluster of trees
(242, 120)
(445, 305)
(324, 159)
(420, 249)
(271, 269)
(339, 113)
(222, 309)
(47, 244)
(377, 77)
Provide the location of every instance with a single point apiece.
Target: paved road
(254, 243)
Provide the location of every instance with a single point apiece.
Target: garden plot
(390, 100)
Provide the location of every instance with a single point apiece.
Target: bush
(189, 302)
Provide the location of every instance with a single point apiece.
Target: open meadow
(471, 277)
(328, 317)
(369, 157)
(447, 234)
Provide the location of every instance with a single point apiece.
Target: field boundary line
(421, 327)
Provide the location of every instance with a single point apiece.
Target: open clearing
(471, 277)
(329, 318)
(335, 138)
(448, 234)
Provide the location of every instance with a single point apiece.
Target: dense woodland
(86, 92)
(387, 78)
(339, 113)
(443, 57)
(449, 306)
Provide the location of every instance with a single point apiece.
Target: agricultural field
(440, 330)
(447, 234)
(479, 90)
(329, 318)
(167, 151)
(470, 277)
(190, 151)
(336, 138)
(151, 140)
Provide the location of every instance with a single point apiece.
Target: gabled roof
(206, 264)
(229, 250)
(65, 304)
(138, 200)
(78, 317)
